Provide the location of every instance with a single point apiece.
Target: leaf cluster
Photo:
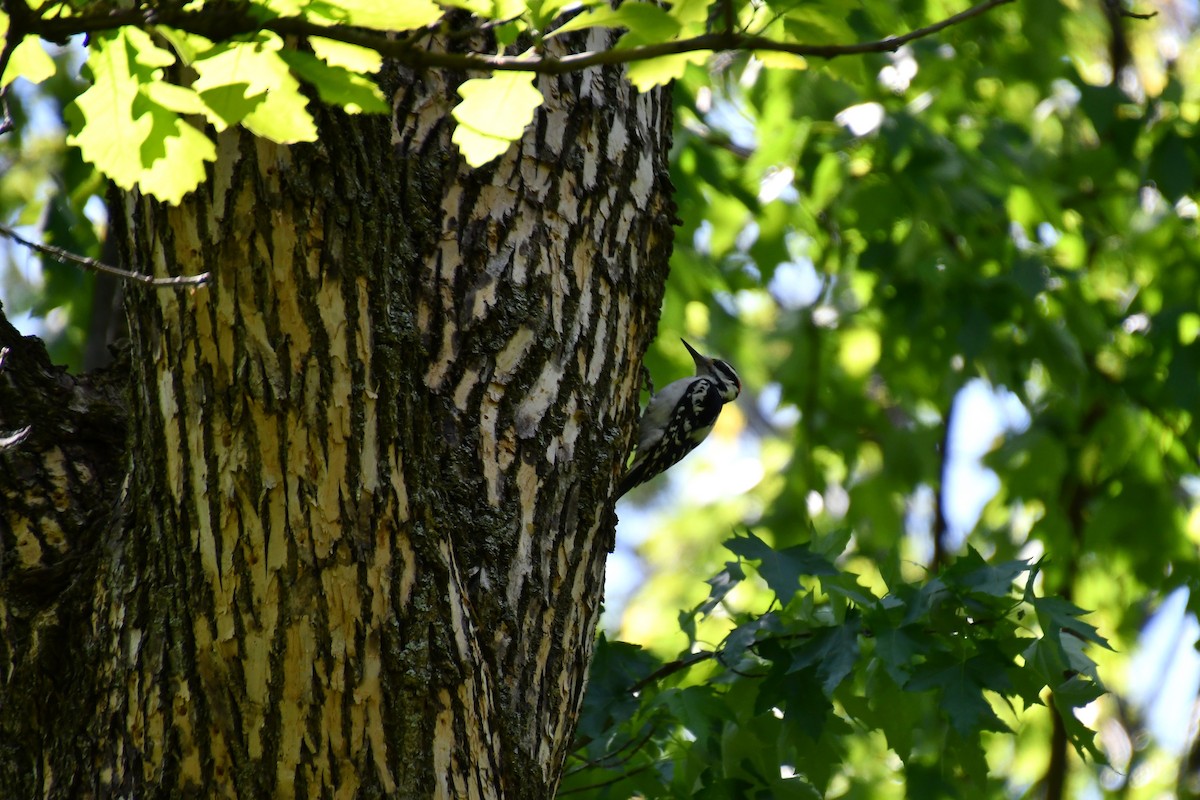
(873, 242)
(925, 669)
(164, 74)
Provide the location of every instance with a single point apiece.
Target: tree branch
(65, 257)
(608, 782)
(636, 743)
(228, 25)
(670, 668)
(941, 528)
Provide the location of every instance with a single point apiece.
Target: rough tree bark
(336, 525)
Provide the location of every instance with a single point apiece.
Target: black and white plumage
(680, 417)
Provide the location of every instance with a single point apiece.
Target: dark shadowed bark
(353, 544)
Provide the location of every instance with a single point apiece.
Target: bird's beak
(700, 360)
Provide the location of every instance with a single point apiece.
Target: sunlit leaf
(335, 85)
(181, 99)
(647, 21)
(647, 74)
(248, 82)
(29, 60)
(401, 16)
(493, 114)
(347, 56)
(181, 166)
(109, 134)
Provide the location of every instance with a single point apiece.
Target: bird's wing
(658, 411)
(685, 428)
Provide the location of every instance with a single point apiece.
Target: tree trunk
(353, 544)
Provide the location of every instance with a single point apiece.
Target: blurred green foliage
(866, 237)
(44, 188)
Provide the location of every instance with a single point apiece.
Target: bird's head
(720, 371)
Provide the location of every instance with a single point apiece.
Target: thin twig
(670, 668)
(719, 140)
(680, 664)
(66, 257)
(608, 782)
(636, 743)
(402, 50)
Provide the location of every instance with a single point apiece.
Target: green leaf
(188, 46)
(29, 60)
(543, 12)
(899, 714)
(931, 596)
(1172, 168)
(819, 762)
(108, 134)
(347, 56)
(807, 708)
(398, 16)
(180, 99)
(781, 569)
(698, 709)
(337, 86)
(690, 12)
(846, 585)
(282, 8)
(647, 74)
(493, 114)
(229, 104)
(722, 584)
(181, 167)
(1056, 613)
(740, 638)
(972, 573)
(616, 666)
(249, 82)
(1071, 695)
(649, 22)
(897, 648)
(961, 684)
(832, 651)
(144, 51)
(127, 122)
(495, 9)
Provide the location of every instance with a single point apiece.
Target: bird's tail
(636, 474)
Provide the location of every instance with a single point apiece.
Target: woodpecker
(679, 417)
